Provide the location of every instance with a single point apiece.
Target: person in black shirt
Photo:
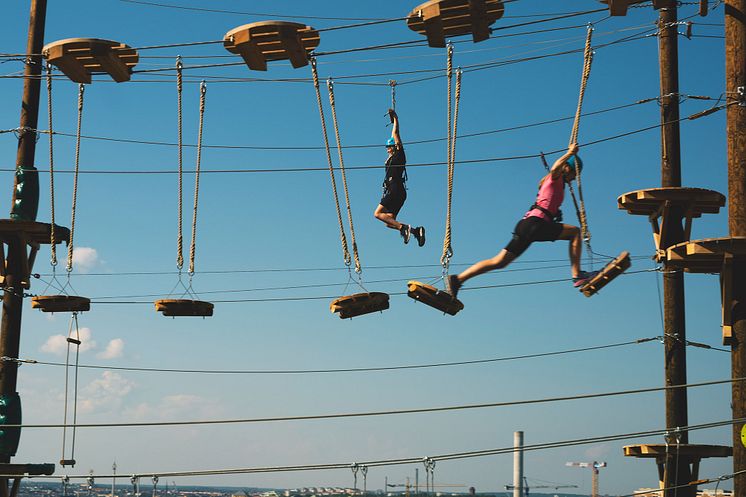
(394, 189)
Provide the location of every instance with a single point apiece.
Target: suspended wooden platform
(608, 273)
(26, 469)
(61, 303)
(438, 299)
(440, 19)
(359, 304)
(29, 233)
(184, 308)
(67, 462)
(260, 42)
(685, 453)
(715, 256)
(659, 203)
(79, 58)
(619, 7)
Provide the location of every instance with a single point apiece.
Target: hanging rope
(447, 249)
(51, 166)
(193, 247)
(445, 258)
(180, 237)
(330, 88)
(81, 92)
(343, 236)
(71, 340)
(392, 84)
(580, 206)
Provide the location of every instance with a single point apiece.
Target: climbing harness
(184, 306)
(359, 303)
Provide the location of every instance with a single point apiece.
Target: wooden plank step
(80, 58)
(439, 19)
(608, 273)
(61, 303)
(358, 304)
(705, 256)
(33, 231)
(260, 42)
(438, 299)
(686, 450)
(184, 308)
(649, 201)
(26, 469)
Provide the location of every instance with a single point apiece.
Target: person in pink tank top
(542, 223)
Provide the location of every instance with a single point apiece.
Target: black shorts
(532, 229)
(394, 195)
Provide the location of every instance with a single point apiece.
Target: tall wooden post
(25, 205)
(735, 83)
(673, 282)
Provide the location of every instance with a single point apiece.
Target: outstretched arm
(395, 128)
(557, 167)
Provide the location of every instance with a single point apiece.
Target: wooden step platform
(619, 7)
(438, 299)
(714, 256)
(79, 58)
(61, 303)
(685, 453)
(439, 19)
(358, 304)
(657, 203)
(608, 273)
(184, 308)
(26, 469)
(260, 42)
(31, 233)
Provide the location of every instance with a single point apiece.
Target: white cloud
(106, 392)
(85, 259)
(113, 350)
(57, 344)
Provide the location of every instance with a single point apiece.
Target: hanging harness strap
(556, 218)
(81, 92)
(193, 247)
(343, 236)
(392, 84)
(51, 165)
(330, 88)
(180, 237)
(580, 206)
(445, 257)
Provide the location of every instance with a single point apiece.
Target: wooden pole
(735, 81)
(10, 326)
(673, 282)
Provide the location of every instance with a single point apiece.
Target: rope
(51, 165)
(580, 209)
(392, 83)
(193, 247)
(180, 238)
(330, 87)
(343, 236)
(81, 92)
(76, 341)
(447, 247)
(447, 251)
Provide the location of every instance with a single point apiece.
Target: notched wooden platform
(80, 58)
(438, 299)
(439, 19)
(31, 233)
(608, 273)
(27, 469)
(358, 304)
(61, 303)
(619, 7)
(260, 42)
(184, 308)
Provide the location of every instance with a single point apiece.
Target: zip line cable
(419, 459)
(423, 410)
(345, 370)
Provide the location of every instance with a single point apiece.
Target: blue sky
(250, 222)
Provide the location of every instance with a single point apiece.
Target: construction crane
(526, 487)
(594, 467)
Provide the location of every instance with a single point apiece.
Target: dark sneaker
(419, 234)
(453, 285)
(405, 231)
(583, 278)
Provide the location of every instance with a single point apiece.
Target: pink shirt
(551, 194)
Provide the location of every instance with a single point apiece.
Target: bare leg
(387, 217)
(498, 262)
(572, 233)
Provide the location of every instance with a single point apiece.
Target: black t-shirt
(395, 171)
